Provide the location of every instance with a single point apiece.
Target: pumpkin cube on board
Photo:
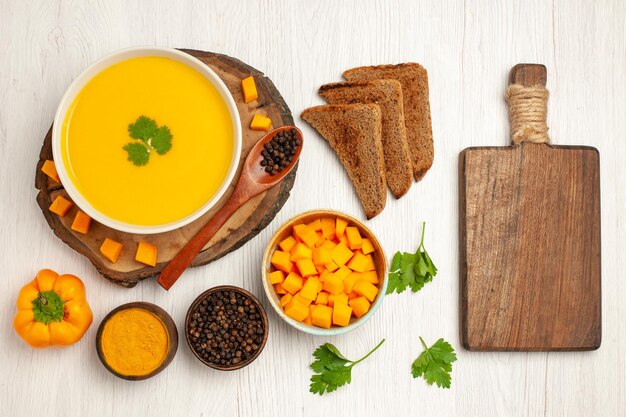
(81, 222)
(146, 253)
(50, 170)
(60, 206)
(111, 249)
(248, 88)
(260, 122)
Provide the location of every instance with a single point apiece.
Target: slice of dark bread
(354, 133)
(414, 80)
(388, 95)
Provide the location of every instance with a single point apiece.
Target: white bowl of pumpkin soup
(146, 140)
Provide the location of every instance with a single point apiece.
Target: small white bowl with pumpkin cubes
(324, 272)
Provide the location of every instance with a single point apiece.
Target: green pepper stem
(43, 300)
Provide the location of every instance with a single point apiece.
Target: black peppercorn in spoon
(254, 179)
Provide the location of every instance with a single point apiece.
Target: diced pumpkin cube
(296, 310)
(366, 289)
(341, 254)
(303, 300)
(370, 276)
(277, 277)
(328, 228)
(350, 280)
(292, 283)
(146, 253)
(248, 87)
(308, 319)
(287, 243)
(340, 298)
(321, 256)
(111, 249)
(311, 288)
(340, 227)
(329, 244)
(306, 267)
(360, 306)
(342, 272)
(358, 262)
(353, 295)
(355, 241)
(284, 300)
(321, 316)
(279, 289)
(344, 240)
(341, 314)
(81, 222)
(50, 170)
(300, 251)
(305, 234)
(322, 298)
(323, 275)
(367, 247)
(260, 122)
(316, 225)
(60, 206)
(331, 266)
(281, 261)
(332, 284)
(370, 263)
(320, 239)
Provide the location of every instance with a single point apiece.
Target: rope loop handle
(528, 111)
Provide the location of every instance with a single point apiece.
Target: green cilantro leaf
(138, 154)
(435, 363)
(411, 270)
(149, 137)
(332, 369)
(162, 140)
(143, 129)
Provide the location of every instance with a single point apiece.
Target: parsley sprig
(332, 369)
(411, 270)
(435, 363)
(149, 137)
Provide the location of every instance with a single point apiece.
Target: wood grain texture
(530, 248)
(530, 242)
(244, 224)
(468, 48)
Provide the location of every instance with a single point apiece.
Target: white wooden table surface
(468, 48)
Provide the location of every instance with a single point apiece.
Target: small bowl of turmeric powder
(136, 341)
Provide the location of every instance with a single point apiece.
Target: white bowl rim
(319, 331)
(105, 62)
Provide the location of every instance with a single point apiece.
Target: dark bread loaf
(354, 133)
(414, 80)
(388, 95)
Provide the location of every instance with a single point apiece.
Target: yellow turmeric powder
(134, 342)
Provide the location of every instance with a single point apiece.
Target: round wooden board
(249, 220)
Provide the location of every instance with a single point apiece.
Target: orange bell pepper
(52, 310)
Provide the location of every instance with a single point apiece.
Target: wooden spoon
(253, 181)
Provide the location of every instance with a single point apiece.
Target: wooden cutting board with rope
(530, 234)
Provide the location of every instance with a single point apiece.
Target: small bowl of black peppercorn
(226, 328)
